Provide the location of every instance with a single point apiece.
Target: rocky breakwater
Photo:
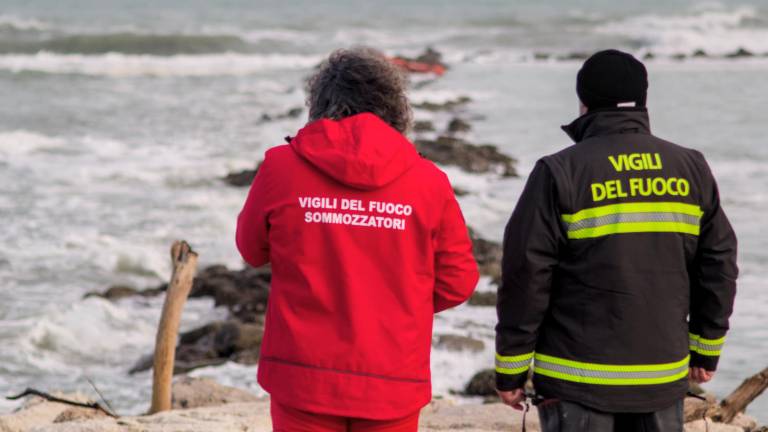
(244, 293)
(695, 54)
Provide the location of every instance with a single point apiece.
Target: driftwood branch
(738, 401)
(51, 398)
(184, 261)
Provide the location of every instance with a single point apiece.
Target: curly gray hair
(358, 80)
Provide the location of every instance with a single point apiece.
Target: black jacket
(619, 269)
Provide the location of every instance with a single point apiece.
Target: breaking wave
(715, 32)
(126, 65)
(128, 43)
(16, 23)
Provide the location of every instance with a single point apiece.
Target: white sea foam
(62, 337)
(124, 65)
(276, 34)
(717, 32)
(437, 95)
(23, 142)
(452, 370)
(21, 23)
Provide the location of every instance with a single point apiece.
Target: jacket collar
(609, 122)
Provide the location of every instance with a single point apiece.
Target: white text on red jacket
(355, 212)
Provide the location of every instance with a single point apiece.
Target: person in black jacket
(619, 268)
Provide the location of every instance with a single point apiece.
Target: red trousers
(287, 419)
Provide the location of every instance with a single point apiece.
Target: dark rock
(488, 255)
(573, 56)
(212, 344)
(244, 292)
(482, 383)
(115, 292)
(291, 113)
(294, 112)
(443, 106)
(118, 292)
(431, 56)
(417, 85)
(458, 125)
(699, 53)
(473, 158)
(459, 192)
(242, 178)
(423, 126)
(484, 298)
(740, 53)
(452, 342)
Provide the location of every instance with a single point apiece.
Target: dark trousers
(561, 416)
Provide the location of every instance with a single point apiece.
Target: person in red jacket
(366, 242)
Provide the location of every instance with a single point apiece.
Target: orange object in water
(417, 66)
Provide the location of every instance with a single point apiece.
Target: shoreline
(199, 404)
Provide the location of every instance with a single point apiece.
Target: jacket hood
(360, 151)
(608, 122)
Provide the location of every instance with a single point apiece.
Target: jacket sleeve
(713, 281)
(532, 242)
(456, 271)
(252, 235)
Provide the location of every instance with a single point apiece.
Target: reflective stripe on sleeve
(634, 218)
(513, 365)
(604, 374)
(706, 347)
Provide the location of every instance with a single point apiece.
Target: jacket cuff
(506, 382)
(512, 371)
(705, 353)
(707, 362)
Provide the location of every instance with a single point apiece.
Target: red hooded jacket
(366, 242)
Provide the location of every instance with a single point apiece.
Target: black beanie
(611, 79)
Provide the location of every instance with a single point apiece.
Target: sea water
(118, 119)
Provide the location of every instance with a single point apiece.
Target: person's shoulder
(561, 156)
(430, 172)
(279, 156)
(690, 154)
(279, 151)
(555, 162)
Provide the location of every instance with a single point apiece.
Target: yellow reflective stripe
(515, 371)
(706, 347)
(707, 341)
(634, 227)
(513, 365)
(604, 374)
(708, 352)
(516, 358)
(644, 207)
(613, 381)
(613, 368)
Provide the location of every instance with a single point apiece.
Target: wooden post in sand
(737, 401)
(184, 265)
